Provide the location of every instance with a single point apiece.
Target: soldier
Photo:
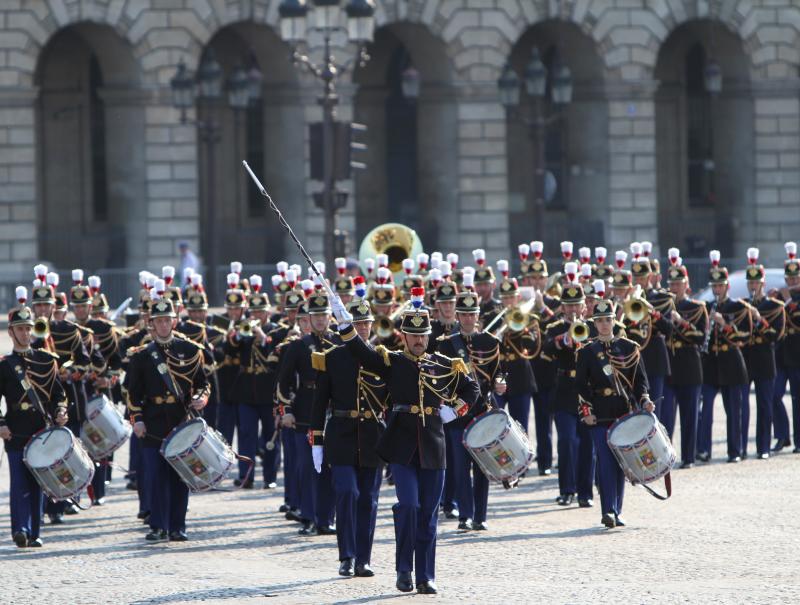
(788, 355)
(683, 385)
(298, 373)
(769, 323)
(356, 399)
(575, 448)
(611, 383)
(228, 368)
(445, 303)
(425, 389)
(484, 281)
(34, 399)
(343, 284)
(481, 354)
(166, 383)
(723, 364)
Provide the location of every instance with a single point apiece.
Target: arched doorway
(267, 133)
(90, 145)
(574, 145)
(411, 163)
(704, 140)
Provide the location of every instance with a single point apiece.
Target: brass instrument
(517, 319)
(579, 330)
(383, 327)
(553, 287)
(246, 327)
(41, 328)
(637, 308)
(396, 241)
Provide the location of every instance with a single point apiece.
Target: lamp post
(536, 79)
(207, 86)
(327, 18)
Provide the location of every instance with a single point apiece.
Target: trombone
(384, 324)
(518, 318)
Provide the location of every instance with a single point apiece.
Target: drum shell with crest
(199, 454)
(499, 446)
(58, 462)
(641, 446)
(104, 430)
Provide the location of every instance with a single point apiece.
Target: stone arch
(269, 133)
(575, 143)
(90, 125)
(423, 152)
(704, 166)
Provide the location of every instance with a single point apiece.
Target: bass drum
(59, 463)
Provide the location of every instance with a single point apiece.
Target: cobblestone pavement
(729, 534)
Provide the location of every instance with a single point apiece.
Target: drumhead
(486, 429)
(184, 437)
(95, 404)
(48, 447)
(632, 429)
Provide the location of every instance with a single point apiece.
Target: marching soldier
(481, 354)
(684, 384)
(611, 383)
(34, 399)
(228, 369)
(484, 281)
(769, 323)
(296, 383)
(425, 390)
(723, 364)
(165, 383)
(356, 399)
(445, 303)
(575, 448)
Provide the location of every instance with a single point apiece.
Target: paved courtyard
(728, 535)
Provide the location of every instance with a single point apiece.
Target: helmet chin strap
(18, 346)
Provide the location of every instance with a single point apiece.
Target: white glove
(447, 414)
(316, 455)
(343, 317)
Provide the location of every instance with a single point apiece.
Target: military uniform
(354, 400)
(414, 442)
(481, 353)
(24, 418)
(788, 358)
(162, 379)
(724, 370)
(686, 379)
(575, 448)
(227, 371)
(611, 382)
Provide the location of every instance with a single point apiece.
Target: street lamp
(298, 19)
(206, 86)
(536, 79)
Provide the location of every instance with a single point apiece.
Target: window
(699, 143)
(97, 141)
(555, 141)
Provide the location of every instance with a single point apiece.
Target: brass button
(759, 340)
(572, 373)
(608, 392)
(724, 347)
(678, 345)
(353, 413)
(367, 414)
(429, 410)
(159, 400)
(415, 409)
(24, 406)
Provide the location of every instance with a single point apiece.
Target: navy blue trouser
(519, 407)
(780, 416)
(543, 420)
(612, 479)
(472, 486)
(290, 494)
(449, 493)
(357, 490)
(169, 495)
(248, 419)
(575, 456)
(25, 497)
(211, 414)
(764, 389)
(226, 420)
(656, 389)
(688, 399)
(315, 490)
(99, 479)
(732, 400)
(415, 518)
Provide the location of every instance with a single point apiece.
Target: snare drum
(59, 462)
(641, 446)
(499, 446)
(199, 454)
(104, 431)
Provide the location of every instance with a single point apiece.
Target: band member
(788, 355)
(228, 369)
(481, 354)
(425, 390)
(34, 399)
(356, 399)
(383, 305)
(769, 323)
(723, 364)
(484, 282)
(683, 386)
(254, 386)
(575, 448)
(165, 383)
(611, 382)
(296, 383)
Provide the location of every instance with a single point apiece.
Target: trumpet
(579, 330)
(636, 308)
(245, 328)
(41, 328)
(384, 324)
(517, 318)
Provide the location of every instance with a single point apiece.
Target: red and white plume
(435, 276)
(160, 287)
(40, 272)
(77, 276)
(341, 264)
(94, 284)
(168, 274)
(537, 249)
(571, 270)
(752, 256)
(714, 257)
(446, 271)
(673, 254)
(636, 250)
(524, 250)
(566, 250)
(586, 270)
(422, 261)
(620, 256)
(452, 258)
(502, 267)
(282, 267)
(369, 265)
(150, 281)
(255, 282)
(600, 254)
(291, 278)
(187, 275)
(383, 260)
(408, 265)
(308, 287)
(479, 256)
(22, 294)
(383, 275)
(52, 279)
(584, 254)
(469, 280)
(276, 282)
(233, 281)
(647, 249)
(197, 282)
(791, 249)
(599, 286)
(236, 267)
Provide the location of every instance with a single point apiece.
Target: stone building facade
(96, 168)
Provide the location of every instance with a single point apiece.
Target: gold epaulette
(443, 337)
(457, 365)
(384, 352)
(134, 350)
(318, 361)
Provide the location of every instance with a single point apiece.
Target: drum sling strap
(667, 485)
(163, 369)
(29, 390)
